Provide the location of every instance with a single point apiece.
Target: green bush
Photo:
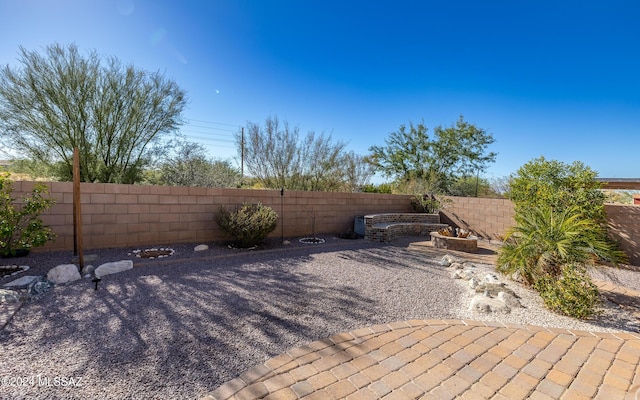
(544, 239)
(249, 224)
(20, 225)
(573, 294)
(559, 185)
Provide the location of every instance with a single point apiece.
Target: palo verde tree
(456, 151)
(116, 115)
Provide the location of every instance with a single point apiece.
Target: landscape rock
(491, 289)
(201, 247)
(473, 283)
(113, 268)
(87, 271)
(465, 274)
(9, 296)
(21, 283)
(18, 269)
(486, 305)
(510, 299)
(491, 278)
(63, 273)
(447, 260)
(456, 265)
(39, 286)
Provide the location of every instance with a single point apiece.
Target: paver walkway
(449, 359)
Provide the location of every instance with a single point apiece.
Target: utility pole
(242, 157)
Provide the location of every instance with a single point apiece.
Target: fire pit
(467, 244)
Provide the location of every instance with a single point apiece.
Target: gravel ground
(180, 327)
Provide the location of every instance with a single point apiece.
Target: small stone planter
(467, 245)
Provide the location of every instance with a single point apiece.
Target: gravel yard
(179, 327)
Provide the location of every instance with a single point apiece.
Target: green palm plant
(545, 239)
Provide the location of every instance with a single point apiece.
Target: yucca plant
(545, 239)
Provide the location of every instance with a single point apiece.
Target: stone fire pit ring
(467, 245)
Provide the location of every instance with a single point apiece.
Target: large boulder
(63, 273)
(486, 305)
(112, 268)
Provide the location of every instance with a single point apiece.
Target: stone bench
(386, 227)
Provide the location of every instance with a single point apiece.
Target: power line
(207, 133)
(214, 123)
(211, 127)
(210, 139)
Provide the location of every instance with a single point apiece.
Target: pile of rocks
(491, 295)
(30, 287)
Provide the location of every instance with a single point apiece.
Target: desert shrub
(544, 239)
(560, 185)
(20, 225)
(249, 224)
(572, 294)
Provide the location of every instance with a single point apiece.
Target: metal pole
(282, 214)
(242, 157)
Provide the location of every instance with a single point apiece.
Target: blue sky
(559, 79)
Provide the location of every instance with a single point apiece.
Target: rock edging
(491, 295)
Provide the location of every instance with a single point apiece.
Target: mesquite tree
(449, 153)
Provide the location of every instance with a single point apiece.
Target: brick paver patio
(453, 359)
(436, 359)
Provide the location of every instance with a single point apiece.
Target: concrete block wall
(624, 227)
(137, 215)
(487, 218)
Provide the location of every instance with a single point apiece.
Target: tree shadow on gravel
(176, 330)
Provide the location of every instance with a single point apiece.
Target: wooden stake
(77, 212)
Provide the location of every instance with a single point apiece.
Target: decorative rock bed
(467, 245)
(490, 294)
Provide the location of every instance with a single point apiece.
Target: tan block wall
(487, 218)
(624, 227)
(137, 215)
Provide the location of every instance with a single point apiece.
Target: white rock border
(22, 268)
(138, 253)
(311, 240)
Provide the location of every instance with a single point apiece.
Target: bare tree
(115, 115)
(358, 172)
(278, 158)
